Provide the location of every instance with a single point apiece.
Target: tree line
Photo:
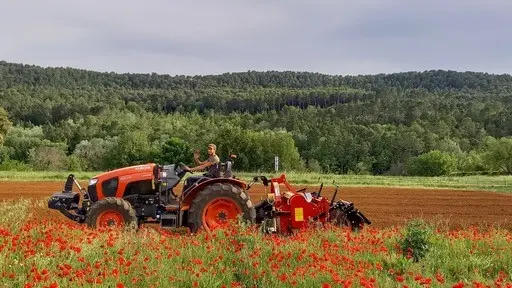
(415, 123)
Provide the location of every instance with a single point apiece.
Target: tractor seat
(226, 169)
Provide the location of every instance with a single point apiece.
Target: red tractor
(144, 193)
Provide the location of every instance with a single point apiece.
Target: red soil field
(384, 206)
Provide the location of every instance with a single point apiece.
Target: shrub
(51, 158)
(14, 165)
(416, 242)
(433, 163)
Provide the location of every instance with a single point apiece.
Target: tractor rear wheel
(217, 205)
(112, 211)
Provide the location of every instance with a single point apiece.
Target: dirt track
(383, 206)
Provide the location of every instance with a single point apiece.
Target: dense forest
(412, 123)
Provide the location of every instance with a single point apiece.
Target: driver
(212, 164)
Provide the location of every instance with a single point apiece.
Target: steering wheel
(183, 167)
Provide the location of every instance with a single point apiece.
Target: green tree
(498, 153)
(20, 141)
(5, 124)
(471, 162)
(280, 143)
(176, 150)
(130, 148)
(93, 154)
(48, 156)
(433, 163)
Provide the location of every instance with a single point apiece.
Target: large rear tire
(217, 205)
(112, 212)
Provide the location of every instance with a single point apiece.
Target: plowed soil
(384, 206)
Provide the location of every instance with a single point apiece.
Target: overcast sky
(212, 37)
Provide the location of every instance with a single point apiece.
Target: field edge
(501, 184)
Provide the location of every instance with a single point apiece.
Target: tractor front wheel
(112, 212)
(217, 205)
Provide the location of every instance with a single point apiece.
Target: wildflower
(439, 278)
(197, 261)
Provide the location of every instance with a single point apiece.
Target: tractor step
(168, 220)
(172, 207)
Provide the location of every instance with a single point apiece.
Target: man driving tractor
(212, 164)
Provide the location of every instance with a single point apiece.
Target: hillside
(64, 118)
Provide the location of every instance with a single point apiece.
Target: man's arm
(202, 166)
(205, 164)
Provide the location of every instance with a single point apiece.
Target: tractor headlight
(93, 181)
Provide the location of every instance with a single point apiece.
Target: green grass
(479, 182)
(43, 175)
(488, 183)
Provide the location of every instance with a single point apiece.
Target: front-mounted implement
(67, 201)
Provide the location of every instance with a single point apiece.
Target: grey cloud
(210, 37)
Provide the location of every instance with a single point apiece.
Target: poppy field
(41, 248)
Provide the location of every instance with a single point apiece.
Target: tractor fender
(191, 195)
